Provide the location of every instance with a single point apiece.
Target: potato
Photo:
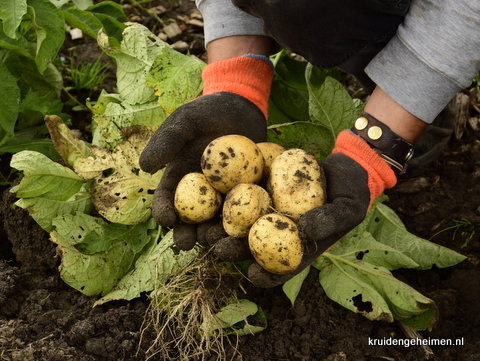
(275, 243)
(269, 151)
(231, 160)
(243, 205)
(296, 183)
(195, 199)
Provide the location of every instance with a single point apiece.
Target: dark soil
(41, 318)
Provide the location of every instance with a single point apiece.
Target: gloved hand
(234, 101)
(355, 176)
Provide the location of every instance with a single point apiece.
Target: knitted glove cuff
(380, 175)
(249, 76)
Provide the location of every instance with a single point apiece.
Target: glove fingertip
(184, 236)
(149, 163)
(164, 216)
(261, 278)
(232, 249)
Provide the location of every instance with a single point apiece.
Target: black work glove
(180, 142)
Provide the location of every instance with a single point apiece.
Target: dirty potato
(296, 183)
(269, 151)
(243, 205)
(275, 243)
(195, 199)
(230, 160)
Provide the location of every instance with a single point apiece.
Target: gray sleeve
(222, 19)
(434, 55)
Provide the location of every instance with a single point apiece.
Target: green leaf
(44, 178)
(112, 27)
(34, 139)
(136, 237)
(84, 20)
(29, 78)
(136, 54)
(20, 45)
(289, 90)
(9, 101)
(50, 29)
(292, 287)
(90, 274)
(387, 228)
(154, 266)
(423, 321)
(81, 4)
(305, 135)
(370, 290)
(234, 319)
(34, 107)
(176, 78)
(364, 247)
(44, 146)
(44, 210)
(330, 104)
(110, 9)
(11, 12)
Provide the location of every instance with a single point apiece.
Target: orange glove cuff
(380, 175)
(245, 76)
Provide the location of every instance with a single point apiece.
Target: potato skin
(275, 243)
(296, 183)
(269, 151)
(195, 199)
(230, 160)
(243, 205)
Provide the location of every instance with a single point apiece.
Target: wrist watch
(395, 150)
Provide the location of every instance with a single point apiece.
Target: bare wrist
(389, 112)
(234, 46)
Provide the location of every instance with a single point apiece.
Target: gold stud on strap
(374, 132)
(361, 123)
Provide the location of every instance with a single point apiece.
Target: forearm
(381, 106)
(435, 54)
(238, 45)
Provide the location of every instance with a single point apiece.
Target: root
(182, 312)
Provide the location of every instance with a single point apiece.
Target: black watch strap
(395, 150)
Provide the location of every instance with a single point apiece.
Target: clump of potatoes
(261, 190)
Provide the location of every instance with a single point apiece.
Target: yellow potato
(269, 151)
(296, 183)
(275, 243)
(195, 199)
(231, 160)
(243, 205)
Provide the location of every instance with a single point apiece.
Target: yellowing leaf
(176, 79)
(90, 274)
(66, 144)
(121, 191)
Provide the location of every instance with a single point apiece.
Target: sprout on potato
(231, 160)
(195, 199)
(275, 243)
(243, 205)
